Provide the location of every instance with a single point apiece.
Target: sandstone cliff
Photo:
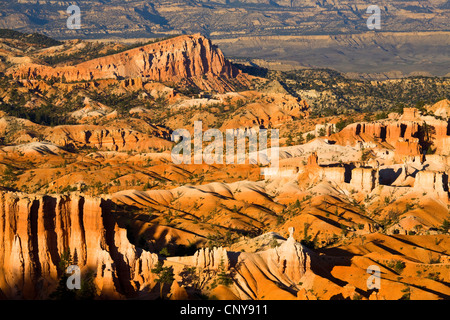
(433, 182)
(36, 230)
(192, 59)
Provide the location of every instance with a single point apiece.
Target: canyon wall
(36, 230)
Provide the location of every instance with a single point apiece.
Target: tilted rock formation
(441, 108)
(36, 230)
(190, 58)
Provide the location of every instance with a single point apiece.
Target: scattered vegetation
(30, 38)
(93, 50)
(345, 95)
(87, 289)
(396, 265)
(164, 275)
(223, 277)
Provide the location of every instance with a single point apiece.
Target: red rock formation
(433, 182)
(107, 138)
(313, 160)
(364, 179)
(407, 135)
(36, 230)
(190, 58)
(404, 136)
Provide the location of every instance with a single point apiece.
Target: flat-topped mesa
(36, 230)
(190, 58)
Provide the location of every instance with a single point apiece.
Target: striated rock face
(334, 174)
(408, 136)
(192, 58)
(36, 230)
(433, 182)
(205, 258)
(364, 179)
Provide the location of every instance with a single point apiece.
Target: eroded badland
(86, 167)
